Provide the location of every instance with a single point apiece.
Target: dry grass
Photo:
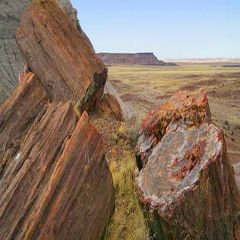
(128, 222)
(147, 80)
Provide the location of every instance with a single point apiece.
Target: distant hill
(232, 65)
(132, 59)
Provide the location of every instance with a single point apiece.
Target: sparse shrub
(133, 135)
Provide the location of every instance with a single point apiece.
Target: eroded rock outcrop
(55, 182)
(50, 45)
(185, 178)
(11, 61)
(54, 179)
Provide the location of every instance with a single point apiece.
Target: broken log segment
(57, 52)
(185, 180)
(17, 115)
(154, 125)
(55, 182)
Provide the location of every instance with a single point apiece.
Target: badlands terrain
(118, 152)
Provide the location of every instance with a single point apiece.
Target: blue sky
(170, 28)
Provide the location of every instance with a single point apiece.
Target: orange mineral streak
(180, 106)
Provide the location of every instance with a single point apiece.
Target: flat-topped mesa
(60, 55)
(185, 178)
(130, 59)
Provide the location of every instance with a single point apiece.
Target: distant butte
(147, 58)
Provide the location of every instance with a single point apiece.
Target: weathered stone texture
(11, 61)
(185, 178)
(51, 47)
(54, 179)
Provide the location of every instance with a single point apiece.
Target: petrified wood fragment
(181, 106)
(58, 53)
(11, 61)
(119, 108)
(17, 115)
(185, 179)
(54, 182)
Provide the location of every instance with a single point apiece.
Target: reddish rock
(110, 107)
(17, 115)
(11, 62)
(180, 107)
(59, 54)
(185, 180)
(54, 179)
(55, 182)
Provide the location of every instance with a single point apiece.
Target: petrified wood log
(11, 61)
(17, 115)
(54, 182)
(58, 53)
(185, 179)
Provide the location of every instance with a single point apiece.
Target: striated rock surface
(131, 59)
(11, 61)
(59, 55)
(17, 115)
(54, 179)
(68, 8)
(185, 178)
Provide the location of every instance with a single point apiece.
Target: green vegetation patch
(128, 221)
